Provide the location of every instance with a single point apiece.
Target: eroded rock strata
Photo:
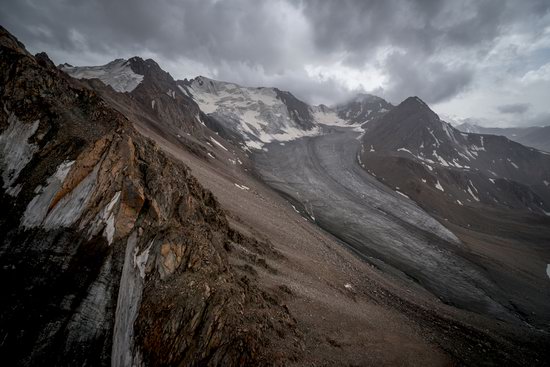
(111, 253)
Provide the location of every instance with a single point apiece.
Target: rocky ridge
(111, 252)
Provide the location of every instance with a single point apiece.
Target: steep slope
(152, 95)
(533, 136)
(110, 251)
(493, 193)
(486, 169)
(251, 116)
(160, 105)
(363, 108)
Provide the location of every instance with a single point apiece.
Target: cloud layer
(487, 59)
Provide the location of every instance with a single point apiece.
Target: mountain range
(154, 221)
(532, 136)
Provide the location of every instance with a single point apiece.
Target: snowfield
(118, 74)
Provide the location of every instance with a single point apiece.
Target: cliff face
(110, 251)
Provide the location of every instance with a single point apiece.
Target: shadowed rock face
(363, 108)
(110, 251)
(470, 169)
(493, 193)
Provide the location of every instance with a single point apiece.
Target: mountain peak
(414, 100)
(366, 97)
(362, 108)
(414, 107)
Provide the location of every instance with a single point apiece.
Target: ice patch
(15, 150)
(109, 231)
(37, 209)
(140, 261)
(110, 228)
(69, 209)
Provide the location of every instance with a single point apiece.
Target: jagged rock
(110, 251)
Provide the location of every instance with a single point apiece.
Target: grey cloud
(514, 108)
(429, 48)
(431, 81)
(542, 119)
(436, 43)
(209, 31)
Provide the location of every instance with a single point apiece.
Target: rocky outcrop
(110, 251)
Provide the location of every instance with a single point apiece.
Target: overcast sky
(488, 61)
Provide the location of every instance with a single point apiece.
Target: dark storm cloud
(427, 48)
(211, 31)
(430, 80)
(514, 108)
(421, 31)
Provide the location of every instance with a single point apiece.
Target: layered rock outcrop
(111, 253)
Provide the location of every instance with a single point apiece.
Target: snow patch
(439, 187)
(405, 150)
(512, 163)
(257, 114)
(218, 144)
(329, 118)
(118, 74)
(472, 194)
(433, 136)
(402, 194)
(171, 93)
(242, 187)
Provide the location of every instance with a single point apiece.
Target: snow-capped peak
(258, 115)
(118, 74)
